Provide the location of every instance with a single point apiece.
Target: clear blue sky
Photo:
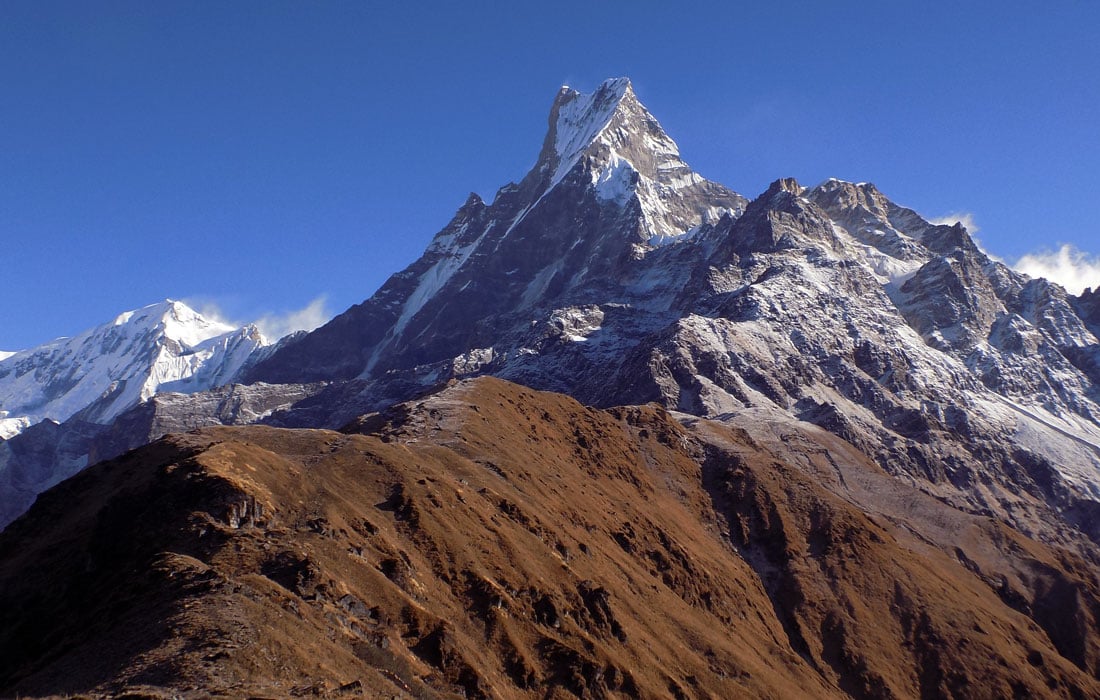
(259, 155)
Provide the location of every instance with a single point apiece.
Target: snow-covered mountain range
(614, 273)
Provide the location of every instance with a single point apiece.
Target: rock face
(492, 541)
(615, 274)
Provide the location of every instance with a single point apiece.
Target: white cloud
(273, 325)
(211, 311)
(1073, 269)
(314, 314)
(957, 217)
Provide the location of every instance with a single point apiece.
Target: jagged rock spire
(609, 140)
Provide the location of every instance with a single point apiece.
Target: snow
(679, 182)
(433, 280)
(4, 354)
(615, 181)
(451, 260)
(576, 323)
(10, 427)
(122, 363)
(538, 284)
(603, 129)
(580, 121)
(1071, 444)
(124, 318)
(472, 361)
(183, 324)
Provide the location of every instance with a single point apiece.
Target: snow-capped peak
(628, 157)
(578, 120)
(180, 322)
(105, 370)
(4, 354)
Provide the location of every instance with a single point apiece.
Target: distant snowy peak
(176, 321)
(609, 124)
(5, 355)
(108, 369)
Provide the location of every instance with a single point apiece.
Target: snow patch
(472, 361)
(615, 182)
(432, 281)
(10, 427)
(576, 323)
(536, 288)
(1072, 445)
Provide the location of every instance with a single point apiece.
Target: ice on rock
(615, 181)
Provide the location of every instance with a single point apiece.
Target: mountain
(491, 541)
(609, 188)
(93, 378)
(808, 444)
(615, 274)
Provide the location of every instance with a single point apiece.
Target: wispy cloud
(958, 217)
(210, 310)
(273, 325)
(314, 314)
(1072, 268)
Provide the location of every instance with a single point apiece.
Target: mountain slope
(491, 541)
(881, 476)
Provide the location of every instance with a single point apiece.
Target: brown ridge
(492, 541)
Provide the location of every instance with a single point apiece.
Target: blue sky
(259, 156)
